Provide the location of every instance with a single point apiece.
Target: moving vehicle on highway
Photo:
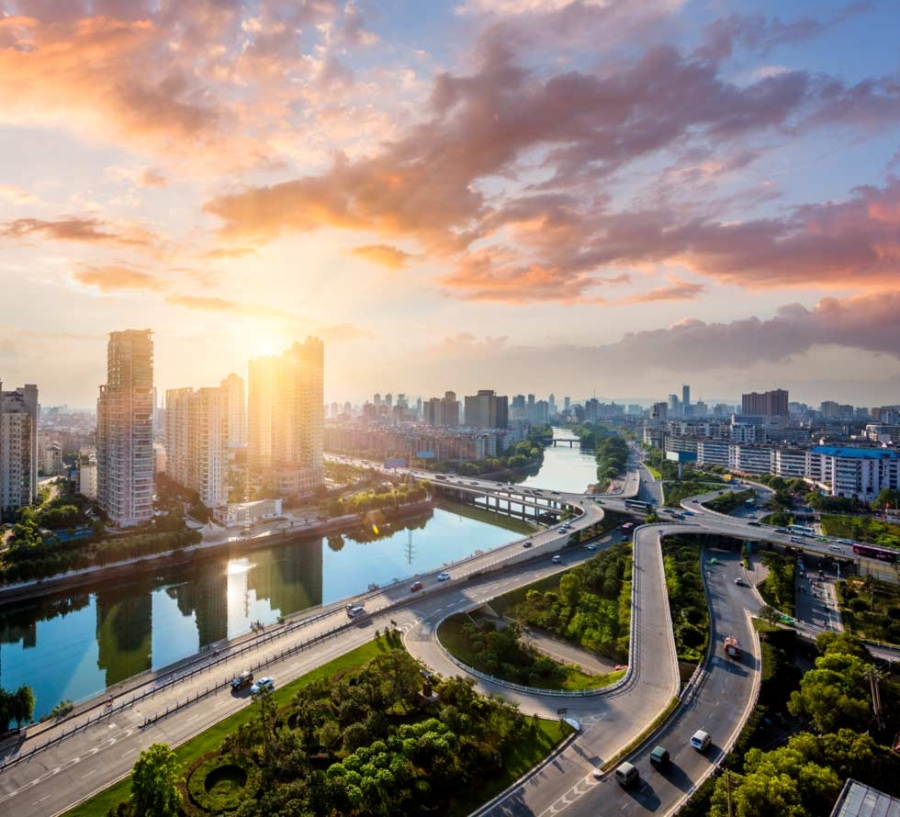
(627, 526)
(637, 505)
(242, 681)
(700, 740)
(443, 577)
(415, 587)
(732, 648)
(263, 685)
(556, 559)
(801, 530)
(659, 758)
(627, 774)
(354, 610)
(874, 552)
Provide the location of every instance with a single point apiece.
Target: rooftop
(860, 800)
(856, 453)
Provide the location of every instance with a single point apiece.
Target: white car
(263, 685)
(442, 577)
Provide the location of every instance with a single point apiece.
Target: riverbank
(194, 553)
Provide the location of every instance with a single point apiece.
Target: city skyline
(491, 194)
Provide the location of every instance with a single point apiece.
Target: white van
(354, 610)
(700, 740)
(556, 559)
(836, 548)
(627, 774)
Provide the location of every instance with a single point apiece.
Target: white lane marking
(88, 774)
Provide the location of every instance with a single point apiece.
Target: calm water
(565, 468)
(75, 645)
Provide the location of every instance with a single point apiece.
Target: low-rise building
(245, 513)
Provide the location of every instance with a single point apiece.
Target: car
(443, 577)
(754, 524)
(562, 530)
(241, 681)
(822, 539)
(354, 610)
(415, 587)
(556, 559)
(527, 544)
(700, 740)
(659, 758)
(740, 582)
(627, 774)
(591, 547)
(263, 685)
(781, 530)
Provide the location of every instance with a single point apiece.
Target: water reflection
(75, 645)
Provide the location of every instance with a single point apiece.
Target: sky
(602, 197)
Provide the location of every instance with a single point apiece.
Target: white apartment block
(286, 418)
(751, 459)
(197, 442)
(713, 452)
(18, 448)
(87, 478)
(233, 386)
(125, 460)
(791, 464)
(53, 464)
(855, 472)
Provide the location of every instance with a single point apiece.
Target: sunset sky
(608, 197)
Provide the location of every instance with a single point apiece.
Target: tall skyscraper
(233, 387)
(125, 429)
(487, 410)
(685, 396)
(197, 442)
(18, 448)
(286, 418)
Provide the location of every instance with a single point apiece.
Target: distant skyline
(522, 195)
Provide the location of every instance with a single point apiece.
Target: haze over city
(496, 193)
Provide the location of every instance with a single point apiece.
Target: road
(96, 756)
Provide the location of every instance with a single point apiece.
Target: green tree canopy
(154, 783)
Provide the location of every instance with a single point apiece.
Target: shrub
(221, 782)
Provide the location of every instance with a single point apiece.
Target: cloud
(110, 279)
(224, 305)
(220, 253)
(81, 230)
(16, 194)
(383, 255)
(342, 332)
(678, 290)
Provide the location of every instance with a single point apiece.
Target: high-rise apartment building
(442, 411)
(233, 387)
(197, 442)
(487, 410)
(765, 404)
(18, 448)
(125, 461)
(685, 396)
(286, 418)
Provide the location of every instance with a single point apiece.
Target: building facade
(125, 461)
(286, 418)
(18, 448)
(197, 442)
(487, 410)
(767, 404)
(233, 387)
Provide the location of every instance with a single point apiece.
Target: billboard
(425, 455)
(681, 456)
(395, 462)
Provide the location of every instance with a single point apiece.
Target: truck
(732, 648)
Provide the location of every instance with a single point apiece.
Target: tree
(887, 497)
(769, 614)
(22, 705)
(154, 783)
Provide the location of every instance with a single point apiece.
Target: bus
(875, 552)
(636, 505)
(800, 530)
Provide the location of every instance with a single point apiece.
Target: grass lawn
(455, 642)
(211, 739)
(870, 609)
(525, 755)
(862, 529)
(654, 471)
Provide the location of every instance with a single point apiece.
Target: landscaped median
(365, 733)
(587, 608)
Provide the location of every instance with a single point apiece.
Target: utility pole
(728, 793)
(874, 678)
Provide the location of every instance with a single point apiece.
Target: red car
(415, 587)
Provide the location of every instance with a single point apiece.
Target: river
(73, 645)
